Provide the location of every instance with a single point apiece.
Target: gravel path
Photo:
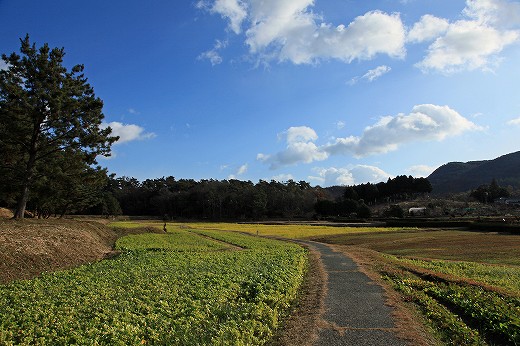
(355, 313)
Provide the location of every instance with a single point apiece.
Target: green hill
(464, 176)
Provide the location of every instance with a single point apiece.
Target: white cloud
(332, 176)
(420, 170)
(133, 111)
(127, 132)
(300, 148)
(233, 10)
(242, 169)
(499, 13)
(466, 45)
(213, 55)
(428, 28)
(371, 75)
(374, 74)
(425, 122)
(288, 30)
(300, 134)
(3, 65)
(357, 174)
(514, 121)
(469, 44)
(283, 177)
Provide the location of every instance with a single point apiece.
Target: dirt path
(355, 310)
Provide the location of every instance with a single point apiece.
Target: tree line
(235, 199)
(356, 199)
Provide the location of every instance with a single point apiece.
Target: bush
(364, 211)
(394, 211)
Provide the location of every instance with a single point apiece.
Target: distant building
(417, 211)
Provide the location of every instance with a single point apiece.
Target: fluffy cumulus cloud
(470, 43)
(349, 176)
(499, 13)
(288, 30)
(428, 28)
(300, 148)
(424, 122)
(127, 132)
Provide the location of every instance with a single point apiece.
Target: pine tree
(45, 111)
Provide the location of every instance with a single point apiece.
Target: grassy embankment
(180, 288)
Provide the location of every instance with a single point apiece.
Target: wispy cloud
(372, 75)
(240, 171)
(233, 10)
(213, 55)
(515, 122)
(128, 132)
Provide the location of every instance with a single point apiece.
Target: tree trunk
(22, 203)
(29, 172)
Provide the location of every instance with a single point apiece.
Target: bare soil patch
(31, 247)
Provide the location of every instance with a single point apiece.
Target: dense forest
(211, 199)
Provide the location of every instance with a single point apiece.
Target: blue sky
(330, 92)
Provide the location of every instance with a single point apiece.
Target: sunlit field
(466, 284)
(290, 231)
(196, 287)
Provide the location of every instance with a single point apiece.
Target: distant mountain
(465, 176)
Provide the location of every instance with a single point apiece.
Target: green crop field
(214, 283)
(180, 288)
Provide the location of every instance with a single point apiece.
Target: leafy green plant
(184, 294)
(464, 313)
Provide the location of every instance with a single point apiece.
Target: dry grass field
(484, 247)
